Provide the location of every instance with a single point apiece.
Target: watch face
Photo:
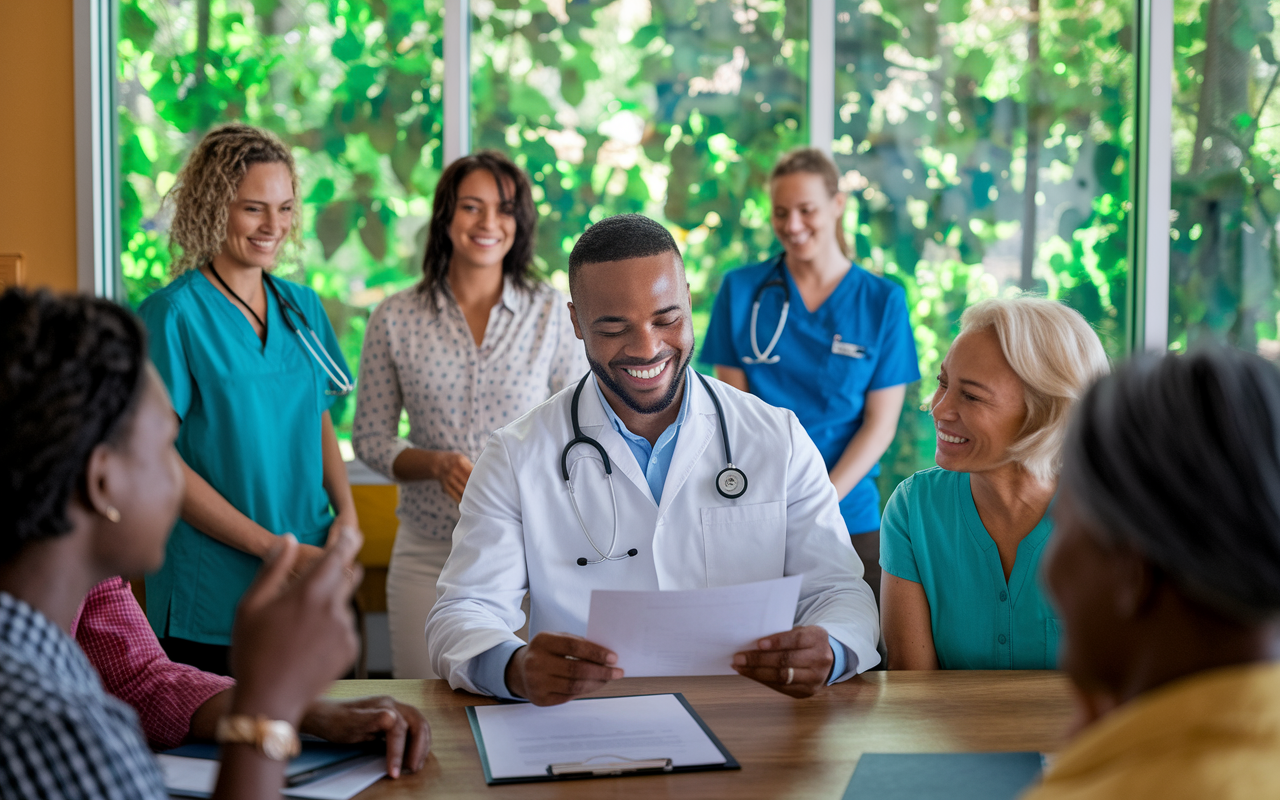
(278, 741)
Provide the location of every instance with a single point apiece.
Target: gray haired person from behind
(1165, 570)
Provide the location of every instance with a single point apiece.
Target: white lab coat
(518, 530)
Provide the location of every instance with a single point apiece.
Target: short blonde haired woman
(962, 542)
(252, 365)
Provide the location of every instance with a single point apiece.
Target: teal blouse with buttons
(932, 535)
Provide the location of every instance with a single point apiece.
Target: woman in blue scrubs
(811, 331)
(252, 366)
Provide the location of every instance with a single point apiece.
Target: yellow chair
(376, 510)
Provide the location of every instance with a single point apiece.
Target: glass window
(675, 109)
(1224, 257)
(985, 146)
(354, 88)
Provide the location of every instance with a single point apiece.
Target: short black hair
(620, 238)
(71, 371)
(1178, 458)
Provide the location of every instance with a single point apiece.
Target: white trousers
(411, 591)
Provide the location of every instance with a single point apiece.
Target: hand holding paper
(699, 631)
(796, 662)
(554, 668)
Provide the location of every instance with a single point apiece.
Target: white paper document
(521, 741)
(196, 777)
(694, 632)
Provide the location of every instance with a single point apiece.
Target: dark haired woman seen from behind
(471, 348)
(90, 484)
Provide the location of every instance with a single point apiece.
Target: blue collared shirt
(654, 459)
(490, 667)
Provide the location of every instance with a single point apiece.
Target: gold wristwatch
(274, 738)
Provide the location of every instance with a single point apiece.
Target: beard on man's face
(662, 404)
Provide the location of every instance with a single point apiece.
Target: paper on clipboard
(520, 742)
(692, 632)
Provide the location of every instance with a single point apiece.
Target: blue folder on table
(943, 776)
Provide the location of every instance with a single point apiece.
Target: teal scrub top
(251, 416)
(932, 535)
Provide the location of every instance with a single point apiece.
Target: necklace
(260, 320)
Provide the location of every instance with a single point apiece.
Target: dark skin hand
(347, 722)
(804, 650)
(555, 668)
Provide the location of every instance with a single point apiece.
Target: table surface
(787, 748)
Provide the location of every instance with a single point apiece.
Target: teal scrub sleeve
(896, 554)
(898, 362)
(717, 345)
(167, 346)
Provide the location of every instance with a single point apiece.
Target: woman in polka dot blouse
(477, 343)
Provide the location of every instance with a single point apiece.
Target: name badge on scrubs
(842, 348)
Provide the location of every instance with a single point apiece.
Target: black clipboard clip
(619, 765)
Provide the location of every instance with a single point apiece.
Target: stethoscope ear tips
(632, 552)
(582, 562)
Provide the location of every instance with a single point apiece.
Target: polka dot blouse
(456, 393)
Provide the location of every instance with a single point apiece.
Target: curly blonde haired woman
(252, 366)
(962, 542)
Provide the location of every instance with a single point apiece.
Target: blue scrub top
(857, 341)
(933, 536)
(250, 425)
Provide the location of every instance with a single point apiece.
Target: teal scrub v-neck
(932, 535)
(250, 425)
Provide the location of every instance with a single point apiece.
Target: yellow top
(1216, 734)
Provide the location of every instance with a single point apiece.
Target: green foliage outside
(941, 107)
(1225, 260)
(676, 109)
(354, 86)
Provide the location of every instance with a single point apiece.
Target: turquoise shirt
(932, 535)
(250, 425)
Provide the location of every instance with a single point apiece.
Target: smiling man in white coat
(670, 514)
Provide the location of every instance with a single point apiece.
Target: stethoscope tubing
(331, 368)
(766, 356)
(731, 482)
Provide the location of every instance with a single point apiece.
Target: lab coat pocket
(744, 543)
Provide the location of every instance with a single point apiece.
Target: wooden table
(787, 748)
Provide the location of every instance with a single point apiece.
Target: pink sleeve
(114, 633)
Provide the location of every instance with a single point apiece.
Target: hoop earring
(111, 513)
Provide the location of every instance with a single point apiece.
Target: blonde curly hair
(207, 185)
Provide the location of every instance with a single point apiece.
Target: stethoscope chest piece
(731, 482)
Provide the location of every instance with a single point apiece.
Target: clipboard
(605, 764)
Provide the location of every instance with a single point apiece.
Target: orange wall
(37, 139)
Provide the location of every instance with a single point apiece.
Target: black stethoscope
(331, 368)
(731, 482)
(777, 278)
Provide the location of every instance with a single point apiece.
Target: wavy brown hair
(517, 264)
(812, 161)
(207, 184)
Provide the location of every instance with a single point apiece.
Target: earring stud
(111, 513)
